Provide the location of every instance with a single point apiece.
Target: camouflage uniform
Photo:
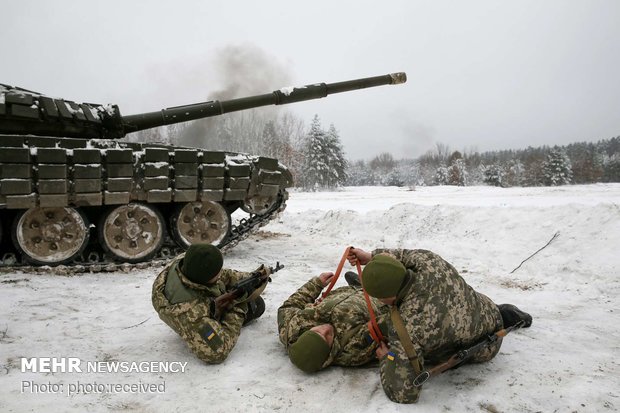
(345, 309)
(188, 309)
(442, 314)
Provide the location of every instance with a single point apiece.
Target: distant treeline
(317, 160)
(577, 163)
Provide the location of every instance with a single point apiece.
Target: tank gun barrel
(26, 112)
(178, 114)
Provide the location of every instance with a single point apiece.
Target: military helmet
(201, 263)
(309, 352)
(383, 276)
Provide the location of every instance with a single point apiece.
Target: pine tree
(476, 177)
(408, 172)
(494, 175)
(533, 159)
(336, 162)
(316, 169)
(514, 174)
(457, 173)
(611, 171)
(441, 176)
(586, 161)
(454, 157)
(394, 179)
(557, 168)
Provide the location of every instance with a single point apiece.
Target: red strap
(375, 332)
(337, 274)
(373, 327)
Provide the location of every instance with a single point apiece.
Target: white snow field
(566, 362)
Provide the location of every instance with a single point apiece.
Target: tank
(71, 193)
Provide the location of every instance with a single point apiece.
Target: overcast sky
(483, 75)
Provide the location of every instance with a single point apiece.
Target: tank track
(239, 232)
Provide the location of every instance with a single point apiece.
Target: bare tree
(383, 162)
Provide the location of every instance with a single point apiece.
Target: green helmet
(383, 276)
(309, 352)
(201, 263)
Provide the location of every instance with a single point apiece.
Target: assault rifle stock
(463, 355)
(247, 285)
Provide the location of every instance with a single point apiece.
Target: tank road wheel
(50, 236)
(132, 233)
(205, 221)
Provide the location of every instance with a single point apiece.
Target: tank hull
(133, 198)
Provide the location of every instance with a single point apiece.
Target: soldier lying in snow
(333, 331)
(434, 313)
(184, 295)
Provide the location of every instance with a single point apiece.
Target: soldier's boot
(352, 279)
(256, 308)
(511, 315)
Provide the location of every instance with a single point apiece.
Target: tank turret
(71, 193)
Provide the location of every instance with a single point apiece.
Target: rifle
(248, 285)
(462, 355)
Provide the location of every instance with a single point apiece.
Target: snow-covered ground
(567, 361)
